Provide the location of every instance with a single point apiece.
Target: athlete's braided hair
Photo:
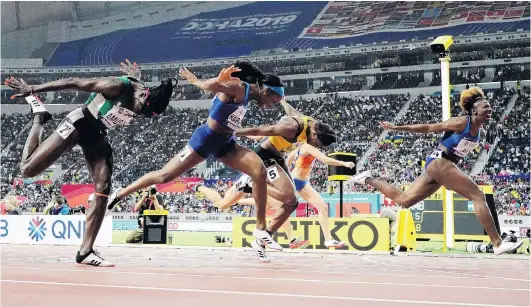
(469, 97)
(325, 134)
(159, 97)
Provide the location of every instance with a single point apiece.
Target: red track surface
(148, 277)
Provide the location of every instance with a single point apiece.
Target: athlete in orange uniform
(302, 161)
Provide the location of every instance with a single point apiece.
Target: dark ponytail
(249, 73)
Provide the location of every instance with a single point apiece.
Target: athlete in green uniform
(114, 101)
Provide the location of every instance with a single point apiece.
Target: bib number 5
(272, 173)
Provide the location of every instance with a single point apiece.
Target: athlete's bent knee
(103, 187)
(163, 176)
(290, 200)
(478, 197)
(405, 202)
(259, 174)
(28, 171)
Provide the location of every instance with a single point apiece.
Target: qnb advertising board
(359, 233)
(428, 216)
(50, 229)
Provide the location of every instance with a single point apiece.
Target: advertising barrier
(179, 222)
(178, 226)
(182, 217)
(364, 202)
(50, 229)
(359, 233)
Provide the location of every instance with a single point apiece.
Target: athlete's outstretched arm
(108, 86)
(290, 111)
(456, 124)
(279, 129)
(224, 83)
(323, 158)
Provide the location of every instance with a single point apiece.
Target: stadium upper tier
(206, 32)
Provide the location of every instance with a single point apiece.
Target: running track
(148, 277)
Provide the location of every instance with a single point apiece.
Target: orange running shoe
(298, 243)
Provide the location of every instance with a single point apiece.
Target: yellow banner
(155, 212)
(359, 233)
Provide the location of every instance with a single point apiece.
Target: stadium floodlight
(441, 46)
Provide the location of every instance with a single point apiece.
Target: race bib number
(184, 153)
(117, 116)
(436, 154)
(65, 129)
(234, 121)
(464, 148)
(272, 173)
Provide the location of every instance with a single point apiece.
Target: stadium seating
(138, 148)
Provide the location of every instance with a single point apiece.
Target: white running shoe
(507, 246)
(112, 201)
(265, 236)
(93, 258)
(361, 177)
(260, 251)
(334, 243)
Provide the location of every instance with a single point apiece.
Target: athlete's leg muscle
(309, 194)
(37, 156)
(99, 163)
(248, 162)
(173, 169)
(449, 175)
(423, 187)
(231, 197)
(289, 201)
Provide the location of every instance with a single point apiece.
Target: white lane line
(465, 275)
(302, 271)
(267, 278)
(345, 298)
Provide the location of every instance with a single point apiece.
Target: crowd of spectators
(148, 144)
(139, 148)
(512, 154)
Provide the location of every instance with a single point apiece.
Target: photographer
(150, 200)
(57, 206)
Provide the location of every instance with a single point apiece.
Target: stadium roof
(18, 15)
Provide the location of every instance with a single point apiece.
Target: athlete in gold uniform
(278, 140)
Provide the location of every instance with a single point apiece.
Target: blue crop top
(230, 114)
(461, 143)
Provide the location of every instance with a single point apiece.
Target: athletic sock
(36, 104)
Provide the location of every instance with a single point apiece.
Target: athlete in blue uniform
(215, 138)
(461, 137)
